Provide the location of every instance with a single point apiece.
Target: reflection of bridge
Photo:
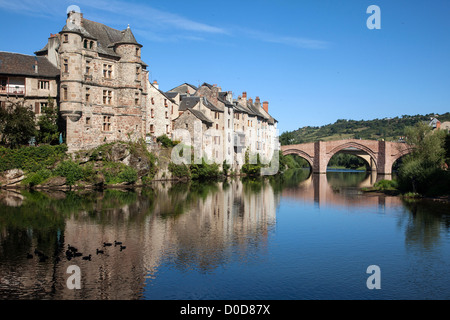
(379, 155)
(317, 188)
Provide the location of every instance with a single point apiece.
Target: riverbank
(390, 188)
(112, 165)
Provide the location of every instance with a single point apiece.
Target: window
(187, 126)
(85, 44)
(137, 52)
(153, 100)
(88, 95)
(217, 127)
(107, 97)
(138, 72)
(136, 99)
(65, 94)
(88, 121)
(152, 128)
(229, 123)
(152, 111)
(106, 123)
(66, 65)
(91, 44)
(167, 115)
(66, 38)
(107, 71)
(216, 115)
(171, 110)
(165, 103)
(167, 128)
(43, 85)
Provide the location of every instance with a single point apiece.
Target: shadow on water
(185, 229)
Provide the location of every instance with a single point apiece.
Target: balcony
(13, 90)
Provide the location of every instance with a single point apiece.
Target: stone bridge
(379, 155)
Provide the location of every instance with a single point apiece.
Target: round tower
(70, 53)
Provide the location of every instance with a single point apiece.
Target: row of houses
(102, 87)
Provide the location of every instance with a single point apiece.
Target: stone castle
(102, 87)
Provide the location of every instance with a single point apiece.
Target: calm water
(300, 237)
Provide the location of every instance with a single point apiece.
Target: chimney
(155, 84)
(266, 106)
(250, 100)
(244, 95)
(257, 102)
(36, 65)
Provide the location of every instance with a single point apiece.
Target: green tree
(48, 123)
(422, 170)
(252, 167)
(17, 124)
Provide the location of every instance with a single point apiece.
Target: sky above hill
(315, 61)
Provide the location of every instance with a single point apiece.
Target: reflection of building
(198, 227)
(228, 216)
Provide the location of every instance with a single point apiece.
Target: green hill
(389, 129)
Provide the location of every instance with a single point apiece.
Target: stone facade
(236, 125)
(104, 94)
(28, 80)
(103, 82)
(161, 110)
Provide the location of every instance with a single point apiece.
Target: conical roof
(128, 37)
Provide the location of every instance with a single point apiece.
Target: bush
(386, 185)
(166, 142)
(37, 178)
(31, 159)
(128, 175)
(72, 171)
(179, 170)
(204, 171)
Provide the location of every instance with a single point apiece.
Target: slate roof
(188, 103)
(24, 65)
(171, 95)
(210, 105)
(200, 116)
(106, 37)
(183, 88)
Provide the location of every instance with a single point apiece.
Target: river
(296, 237)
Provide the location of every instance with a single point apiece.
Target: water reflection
(195, 227)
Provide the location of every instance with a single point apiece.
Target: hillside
(389, 129)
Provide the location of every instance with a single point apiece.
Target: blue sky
(315, 61)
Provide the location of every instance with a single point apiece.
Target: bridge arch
(371, 162)
(300, 153)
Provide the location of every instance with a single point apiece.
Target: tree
(17, 124)
(252, 167)
(422, 170)
(48, 123)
